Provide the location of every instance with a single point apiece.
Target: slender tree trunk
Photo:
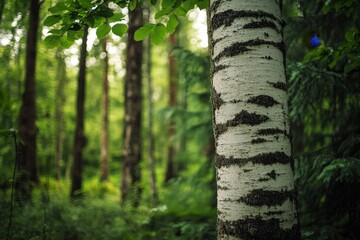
(105, 118)
(27, 128)
(256, 193)
(154, 192)
(59, 115)
(170, 171)
(2, 6)
(79, 139)
(131, 151)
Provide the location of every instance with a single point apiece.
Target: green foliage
(325, 108)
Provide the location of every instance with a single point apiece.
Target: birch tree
(256, 193)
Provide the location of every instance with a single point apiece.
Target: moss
(244, 117)
(263, 100)
(216, 99)
(260, 197)
(226, 18)
(252, 228)
(242, 47)
(258, 140)
(262, 24)
(278, 85)
(264, 158)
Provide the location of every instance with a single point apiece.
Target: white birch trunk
(256, 194)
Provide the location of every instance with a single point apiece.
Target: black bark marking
(266, 34)
(219, 67)
(262, 24)
(258, 140)
(264, 179)
(222, 188)
(216, 99)
(235, 101)
(260, 197)
(244, 117)
(267, 57)
(252, 228)
(226, 18)
(215, 5)
(271, 131)
(263, 100)
(247, 170)
(278, 85)
(242, 47)
(264, 158)
(272, 174)
(270, 213)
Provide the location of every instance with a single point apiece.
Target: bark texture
(27, 128)
(256, 193)
(170, 171)
(131, 150)
(105, 114)
(79, 139)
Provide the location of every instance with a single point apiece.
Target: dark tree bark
(131, 150)
(27, 128)
(2, 6)
(170, 171)
(105, 119)
(59, 115)
(79, 140)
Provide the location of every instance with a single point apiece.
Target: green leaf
(117, 17)
(85, 3)
(119, 29)
(105, 12)
(158, 34)
(351, 34)
(52, 41)
(202, 4)
(171, 24)
(121, 3)
(51, 20)
(153, 2)
(102, 30)
(65, 42)
(59, 7)
(143, 32)
(180, 11)
(98, 20)
(90, 20)
(132, 5)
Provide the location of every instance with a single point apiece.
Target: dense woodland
(107, 127)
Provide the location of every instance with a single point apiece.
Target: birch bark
(256, 193)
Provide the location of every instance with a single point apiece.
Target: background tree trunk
(170, 171)
(256, 193)
(59, 115)
(105, 118)
(27, 127)
(79, 140)
(131, 151)
(154, 192)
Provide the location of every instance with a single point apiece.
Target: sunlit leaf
(119, 29)
(51, 20)
(59, 7)
(171, 24)
(143, 32)
(158, 34)
(102, 30)
(52, 41)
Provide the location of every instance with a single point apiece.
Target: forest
(180, 119)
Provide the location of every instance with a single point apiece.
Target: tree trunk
(154, 192)
(27, 128)
(59, 115)
(170, 171)
(131, 151)
(105, 118)
(2, 6)
(79, 139)
(256, 193)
